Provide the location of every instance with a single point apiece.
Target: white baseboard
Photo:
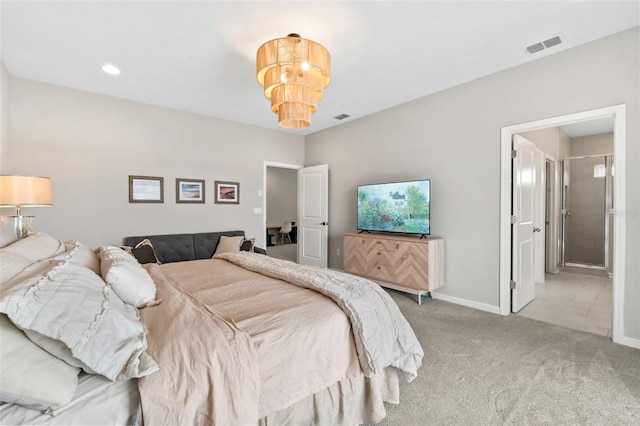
(629, 341)
(466, 302)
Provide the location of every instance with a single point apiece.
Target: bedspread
(382, 334)
(208, 369)
(283, 344)
(302, 342)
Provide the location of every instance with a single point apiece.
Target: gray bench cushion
(182, 247)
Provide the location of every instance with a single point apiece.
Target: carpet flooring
(284, 251)
(486, 369)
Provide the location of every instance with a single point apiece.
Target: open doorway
(574, 289)
(507, 258)
(281, 210)
(311, 225)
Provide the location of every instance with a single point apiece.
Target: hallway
(576, 298)
(284, 251)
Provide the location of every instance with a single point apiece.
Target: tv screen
(395, 207)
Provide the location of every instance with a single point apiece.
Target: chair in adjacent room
(285, 230)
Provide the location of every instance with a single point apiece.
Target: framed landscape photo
(146, 189)
(189, 190)
(227, 192)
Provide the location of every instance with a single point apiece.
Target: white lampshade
(25, 191)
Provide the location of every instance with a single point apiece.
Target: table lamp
(23, 191)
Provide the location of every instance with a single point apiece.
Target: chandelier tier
(294, 73)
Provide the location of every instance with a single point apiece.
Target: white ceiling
(591, 127)
(199, 56)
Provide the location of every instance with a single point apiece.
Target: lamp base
(21, 225)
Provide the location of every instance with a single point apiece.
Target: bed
(238, 339)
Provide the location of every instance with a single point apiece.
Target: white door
(313, 215)
(522, 240)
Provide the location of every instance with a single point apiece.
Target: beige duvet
(234, 345)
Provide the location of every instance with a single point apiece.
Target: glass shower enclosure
(587, 203)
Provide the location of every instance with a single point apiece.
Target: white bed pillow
(74, 308)
(15, 257)
(131, 282)
(7, 234)
(81, 255)
(228, 244)
(29, 375)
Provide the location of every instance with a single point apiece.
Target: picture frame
(190, 191)
(146, 189)
(227, 192)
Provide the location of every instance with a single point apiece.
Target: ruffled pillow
(93, 328)
(131, 282)
(31, 376)
(80, 254)
(22, 253)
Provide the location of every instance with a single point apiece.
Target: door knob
(536, 229)
(324, 223)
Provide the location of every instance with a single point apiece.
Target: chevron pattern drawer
(403, 263)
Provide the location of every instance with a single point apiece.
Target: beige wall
(4, 117)
(453, 137)
(592, 145)
(89, 144)
(553, 141)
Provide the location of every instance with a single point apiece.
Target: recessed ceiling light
(110, 69)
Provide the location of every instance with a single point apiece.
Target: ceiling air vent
(553, 41)
(537, 47)
(342, 116)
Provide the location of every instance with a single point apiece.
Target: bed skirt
(348, 402)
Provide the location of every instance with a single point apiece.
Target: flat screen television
(401, 207)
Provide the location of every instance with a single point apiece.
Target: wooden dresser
(408, 264)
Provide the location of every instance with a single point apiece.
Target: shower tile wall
(586, 201)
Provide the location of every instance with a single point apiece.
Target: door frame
(552, 204)
(618, 113)
(264, 192)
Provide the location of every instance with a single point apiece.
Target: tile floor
(576, 298)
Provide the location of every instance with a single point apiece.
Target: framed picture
(227, 192)
(189, 190)
(146, 189)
